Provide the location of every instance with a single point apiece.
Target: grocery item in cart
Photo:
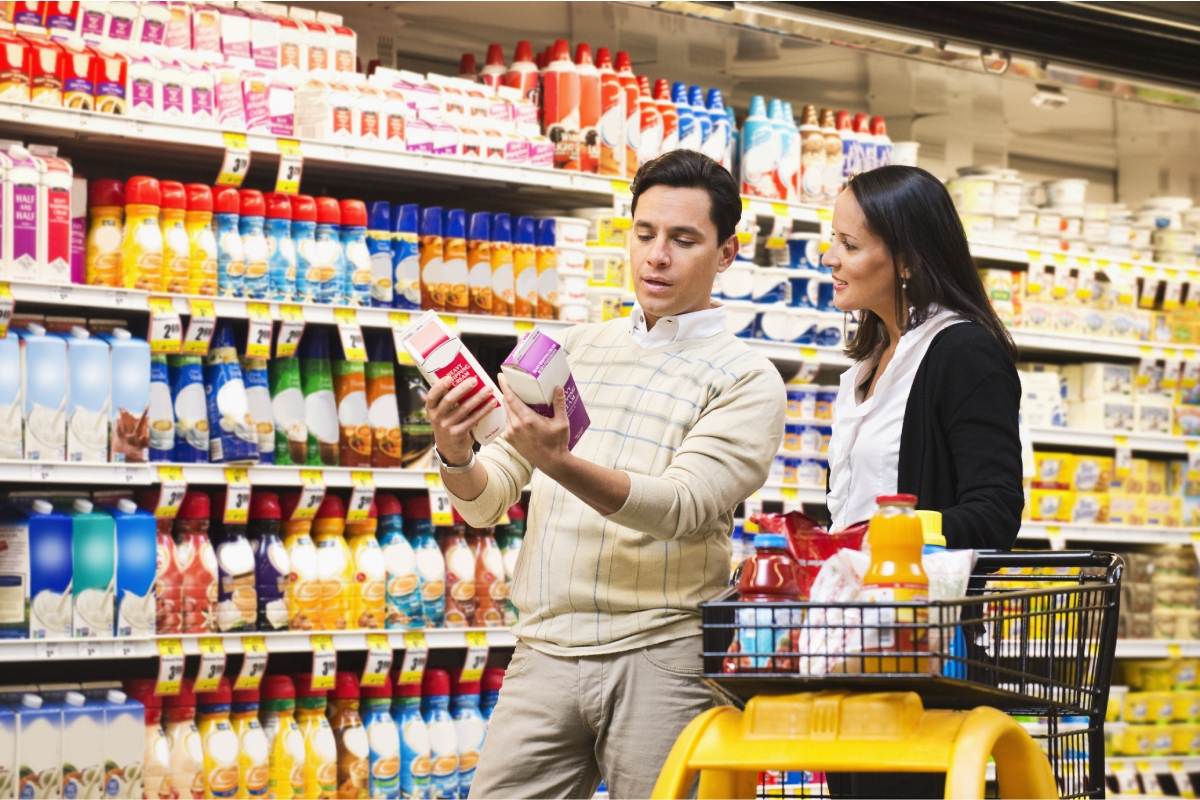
(769, 576)
(895, 575)
(809, 543)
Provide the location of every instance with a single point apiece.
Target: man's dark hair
(687, 169)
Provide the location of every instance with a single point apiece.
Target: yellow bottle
(303, 591)
(254, 750)
(896, 576)
(335, 567)
(286, 740)
(106, 201)
(142, 243)
(176, 248)
(320, 747)
(366, 602)
(202, 242)
(219, 741)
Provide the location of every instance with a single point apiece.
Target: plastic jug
(431, 564)
(142, 242)
(187, 752)
(106, 201)
(281, 247)
(284, 736)
(254, 749)
(406, 264)
(443, 734)
(365, 594)
(156, 757)
(320, 746)
(197, 562)
(383, 739)
(218, 740)
(896, 575)
(470, 727)
(416, 759)
(770, 576)
(403, 598)
(271, 564)
(176, 271)
(303, 593)
(202, 242)
(304, 240)
(356, 280)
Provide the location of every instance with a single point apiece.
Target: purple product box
(534, 369)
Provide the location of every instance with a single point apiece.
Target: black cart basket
(1035, 637)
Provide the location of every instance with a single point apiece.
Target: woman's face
(864, 274)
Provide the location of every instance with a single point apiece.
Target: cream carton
(120, 18)
(228, 99)
(534, 369)
(130, 360)
(49, 567)
(83, 739)
(39, 748)
(63, 20)
(11, 408)
(124, 744)
(46, 76)
(325, 111)
(89, 393)
(44, 390)
(8, 752)
(235, 37)
(144, 92)
(54, 221)
(22, 212)
(206, 31)
(438, 353)
(150, 31)
(173, 78)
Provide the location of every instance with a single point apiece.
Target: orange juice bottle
(896, 541)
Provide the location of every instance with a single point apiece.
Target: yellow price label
(809, 353)
(236, 161)
(291, 166)
(166, 328)
(522, 326)
(776, 243)
(825, 214)
(449, 320)
(6, 308)
(622, 223)
(379, 660)
(258, 331)
(350, 332)
(780, 210)
(744, 237)
(441, 511)
(745, 203)
(254, 663)
(170, 667)
(361, 496)
(1174, 650)
(399, 319)
(622, 187)
(416, 655)
(324, 666)
(1060, 259)
(311, 495)
(789, 494)
(1033, 255)
(172, 489)
(237, 495)
(291, 330)
(477, 653)
(212, 664)
(202, 322)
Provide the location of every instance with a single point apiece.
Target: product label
(407, 271)
(433, 282)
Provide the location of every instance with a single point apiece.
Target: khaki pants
(563, 723)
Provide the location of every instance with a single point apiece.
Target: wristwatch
(452, 469)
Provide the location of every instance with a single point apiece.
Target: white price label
(125, 649)
(311, 495)
(1057, 540)
(441, 510)
(291, 330)
(1123, 459)
(254, 663)
(1172, 295)
(201, 324)
(353, 345)
(379, 660)
(236, 162)
(42, 473)
(622, 203)
(96, 648)
(53, 651)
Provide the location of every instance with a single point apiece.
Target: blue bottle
(759, 152)
(231, 261)
(252, 226)
(406, 264)
(935, 542)
(722, 131)
(470, 727)
(780, 133)
(415, 755)
(425, 547)
(186, 375)
(304, 237)
(379, 248)
(733, 147)
(326, 276)
(356, 280)
(700, 112)
(404, 584)
(689, 130)
(281, 247)
(443, 735)
(383, 740)
(162, 442)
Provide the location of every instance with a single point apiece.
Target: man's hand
(452, 416)
(542, 441)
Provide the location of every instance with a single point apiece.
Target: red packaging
(78, 90)
(560, 106)
(46, 67)
(809, 543)
(16, 62)
(109, 74)
(611, 126)
(633, 112)
(27, 15)
(589, 109)
(669, 114)
(61, 19)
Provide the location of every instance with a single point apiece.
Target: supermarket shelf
(334, 477)
(779, 493)
(1156, 764)
(1106, 534)
(1048, 342)
(1157, 648)
(1104, 440)
(81, 474)
(12, 650)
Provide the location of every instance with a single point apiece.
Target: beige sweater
(696, 425)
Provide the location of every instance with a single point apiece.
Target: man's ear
(728, 253)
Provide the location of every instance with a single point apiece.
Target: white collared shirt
(679, 328)
(864, 453)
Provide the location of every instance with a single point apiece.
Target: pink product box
(534, 369)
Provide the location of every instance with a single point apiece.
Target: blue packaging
(356, 280)
(798, 291)
(43, 377)
(759, 152)
(232, 437)
(8, 748)
(252, 226)
(415, 755)
(281, 247)
(50, 572)
(804, 251)
(722, 133)
(130, 360)
(231, 262)
(161, 411)
(689, 129)
(470, 729)
(700, 113)
(186, 374)
(326, 282)
(137, 565)
(14, 574)
(258, 399)
(304, 233)
(443, 739)
(379, 248)
(406, 262)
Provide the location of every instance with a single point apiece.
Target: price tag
(170, 667)
(1171, 371)
(361, 496)
(1124, 457)
(744, 238)
(477, 653)
(237, 495)
(751, 507)
(622, 205)
(522, 326)
(441, 512)
(450, 321)
(1192, 300)
(1182, 778)
(291, 165)
(212, 664)
(379, 660)
(96, 648)
(1149, 292)
(789, 495)
(172, 489)
(254, 663)
(1172, 295)
(125, 648)
(324, 663)
(1127, 779)
(1193, 461)
(351, 334)
(1055, 535)
(6, 308)
(166, 329)
(236, 162)
(1035, 278)
(53, 651)
(201, 323)
(781, 227)
(1174, 650)
(291, 329)
(398, 321)
(416, 654)
(258, 332)
(311, 495)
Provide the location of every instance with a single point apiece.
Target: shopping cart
(1034, 638)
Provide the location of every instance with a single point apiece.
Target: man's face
(675, 253)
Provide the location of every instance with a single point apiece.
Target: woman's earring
(904, 284)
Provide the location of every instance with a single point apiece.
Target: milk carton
(45, 84)
(93, 571)
(83, 739)
(44, 390)
(144, 90)
(137, 566)
(534, 369)
(130, 359)
(39, 748)
(49, 568)
(8, 752)
(88, 397)
(11, 408)
(124, 744)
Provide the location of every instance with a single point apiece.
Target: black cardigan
(960, 452)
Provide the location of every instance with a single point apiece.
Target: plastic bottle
(231, 259)
(186, 776)
(460, 574)
(431, 564)
(833, 154)
(718, 148)
(589, 109)
(198, 563)
(416, 759)
(758, 157)
(354, 427)
(611, 125)
(383, 739)
(454, 274)
(771, 575)
(469, 727)
(812, 156)
(704, 120)
(633, 112)
(233, 436)
(651, 141)
(237, 597)
(788, 163)
(383, 410)
(492, 74)
(733, 143)
(93, 567)
(304, 238)
(156, 756)
(510, 538)
(365, 594)
(142, 243)
(106, 201)
(503, 284)
(202, 242)
(432, 253)
(443, 734)
(403, 610)
(286, 741)
(688, 129)
(320, 746)
(334, 565)
(523, 74)
(281, 247)
(791, 156)
(353, 752)
(356, 284)
(303, 593)
(491, 583)
(489, 691)
(479, 262)
(896, 575)
(168, 580)
(883, 143)
(254, 749)
(320, 402)
(525, 268)
(850, 149)
(467, 70)
(271, 565)
(669, 115)
(379, 248)
(406, 264)
(547, 270)
(866, 143)
(325, 276)
(175, 238)
(560, 106)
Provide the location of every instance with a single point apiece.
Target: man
(628, 533)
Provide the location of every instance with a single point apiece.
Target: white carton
(39, 748)
(44, 390)
(89, 395)
(1095, 381)
(535, 368)
(124, 744)
(83, 737)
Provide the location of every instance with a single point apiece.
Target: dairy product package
(11, 417)
(287, 407)
(258, 393)
(350, 391)
(39, 754)
(88, 395)
(320, 403)
(14, 574)
(186, 374)
(44, 389)
(383, 409)
(439, 353)
(233, 436)
(130, 360)
(137, 566)
(8, 752)
(534, 369)
(123, 743)
(161, 413)
(83, 746)
(49, 587)
(93, 571)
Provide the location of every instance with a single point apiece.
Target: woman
(930, 405)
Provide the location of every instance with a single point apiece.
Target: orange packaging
(350, 389)
(502, 266)
(479, 263)
(383, 413)
(589, 109)
(16, 62)
(432, 250)
(455, 278)
(525, 268)
(896, 575)
(47, 64)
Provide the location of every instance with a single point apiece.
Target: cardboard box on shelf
(1106, 415)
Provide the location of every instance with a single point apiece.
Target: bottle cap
(716, 102)
(226, 200)
(758, 107)
(42, 506)
(604, 58)
(456, 224)
(196, 505)
(931, 527)
(466, 65)
(127, 506)
(436, 683)
(252, 204)
(623, 62)
(481, 224)
(142, 690)
(461, 687)
(332, 507)
(279, 206)
(583, 54)
(378, 692)
(244, 697)
(173, 195)
(561, 51)
(185, 699)
(264, 505)
(82, 506)
(346, 686)
(406, 218)
(380, 214)
(878, 126)
(763, 541)
(115, 696)
(495, 56)
(501, 228)
(516, 512)
(526, 230)
(278, 687)
(106, 192)
(304, 208)
(493, 679)
(388, 505)
(329, 212)
(143, 190)
(222, 695)
(545, 232)
(304, 686)
(662, 89)
(897, 500)
(199, 197)
(354, 214)
(416, 506)
(523, 52)
(431, 221)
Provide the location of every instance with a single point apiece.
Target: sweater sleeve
(724, 458)
(507, 475)
(986, 449)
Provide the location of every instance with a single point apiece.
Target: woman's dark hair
(687, 169)
(911, 211)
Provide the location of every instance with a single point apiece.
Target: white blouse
(864, 453)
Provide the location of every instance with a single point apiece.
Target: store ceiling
(960, 117)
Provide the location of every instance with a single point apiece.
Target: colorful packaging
(197, 562)
(271, 564)
(237, 596)
(491, 585)
(479, 263)
(176, 249)
(546, 306)
(186, 774)
(633, 116)
(186, 376)
(256, 283)
(403, 587)
(83, 739)
(416, 759)
(432, 250)
(254, 749)
(304, 232)
(335, 567)
(106, 201)
(287, 403)
(503, 294)
(89, 394)
(39, 734)
(379, 248)
(460, 575)
(534, 369)
(328, 263)
(357, 278)
(219, 742)
(406, 265)
(383, 412)
(161, 412)
(44, 386)
(130, 397)
(23, 215)
(286, 740)
(136, 570)
(109, 75)
(383, 740)
(258, 396)
(320, 402)
(126, 771)
(51, 605)
(320, 745)
(525, 268)
(443, 735)
(469, 728)
(16, 62)
(168, 583)
(350, 391)
(365, 594)
(202, 242)
(234, 437)
(431, 564)
(93, 568)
